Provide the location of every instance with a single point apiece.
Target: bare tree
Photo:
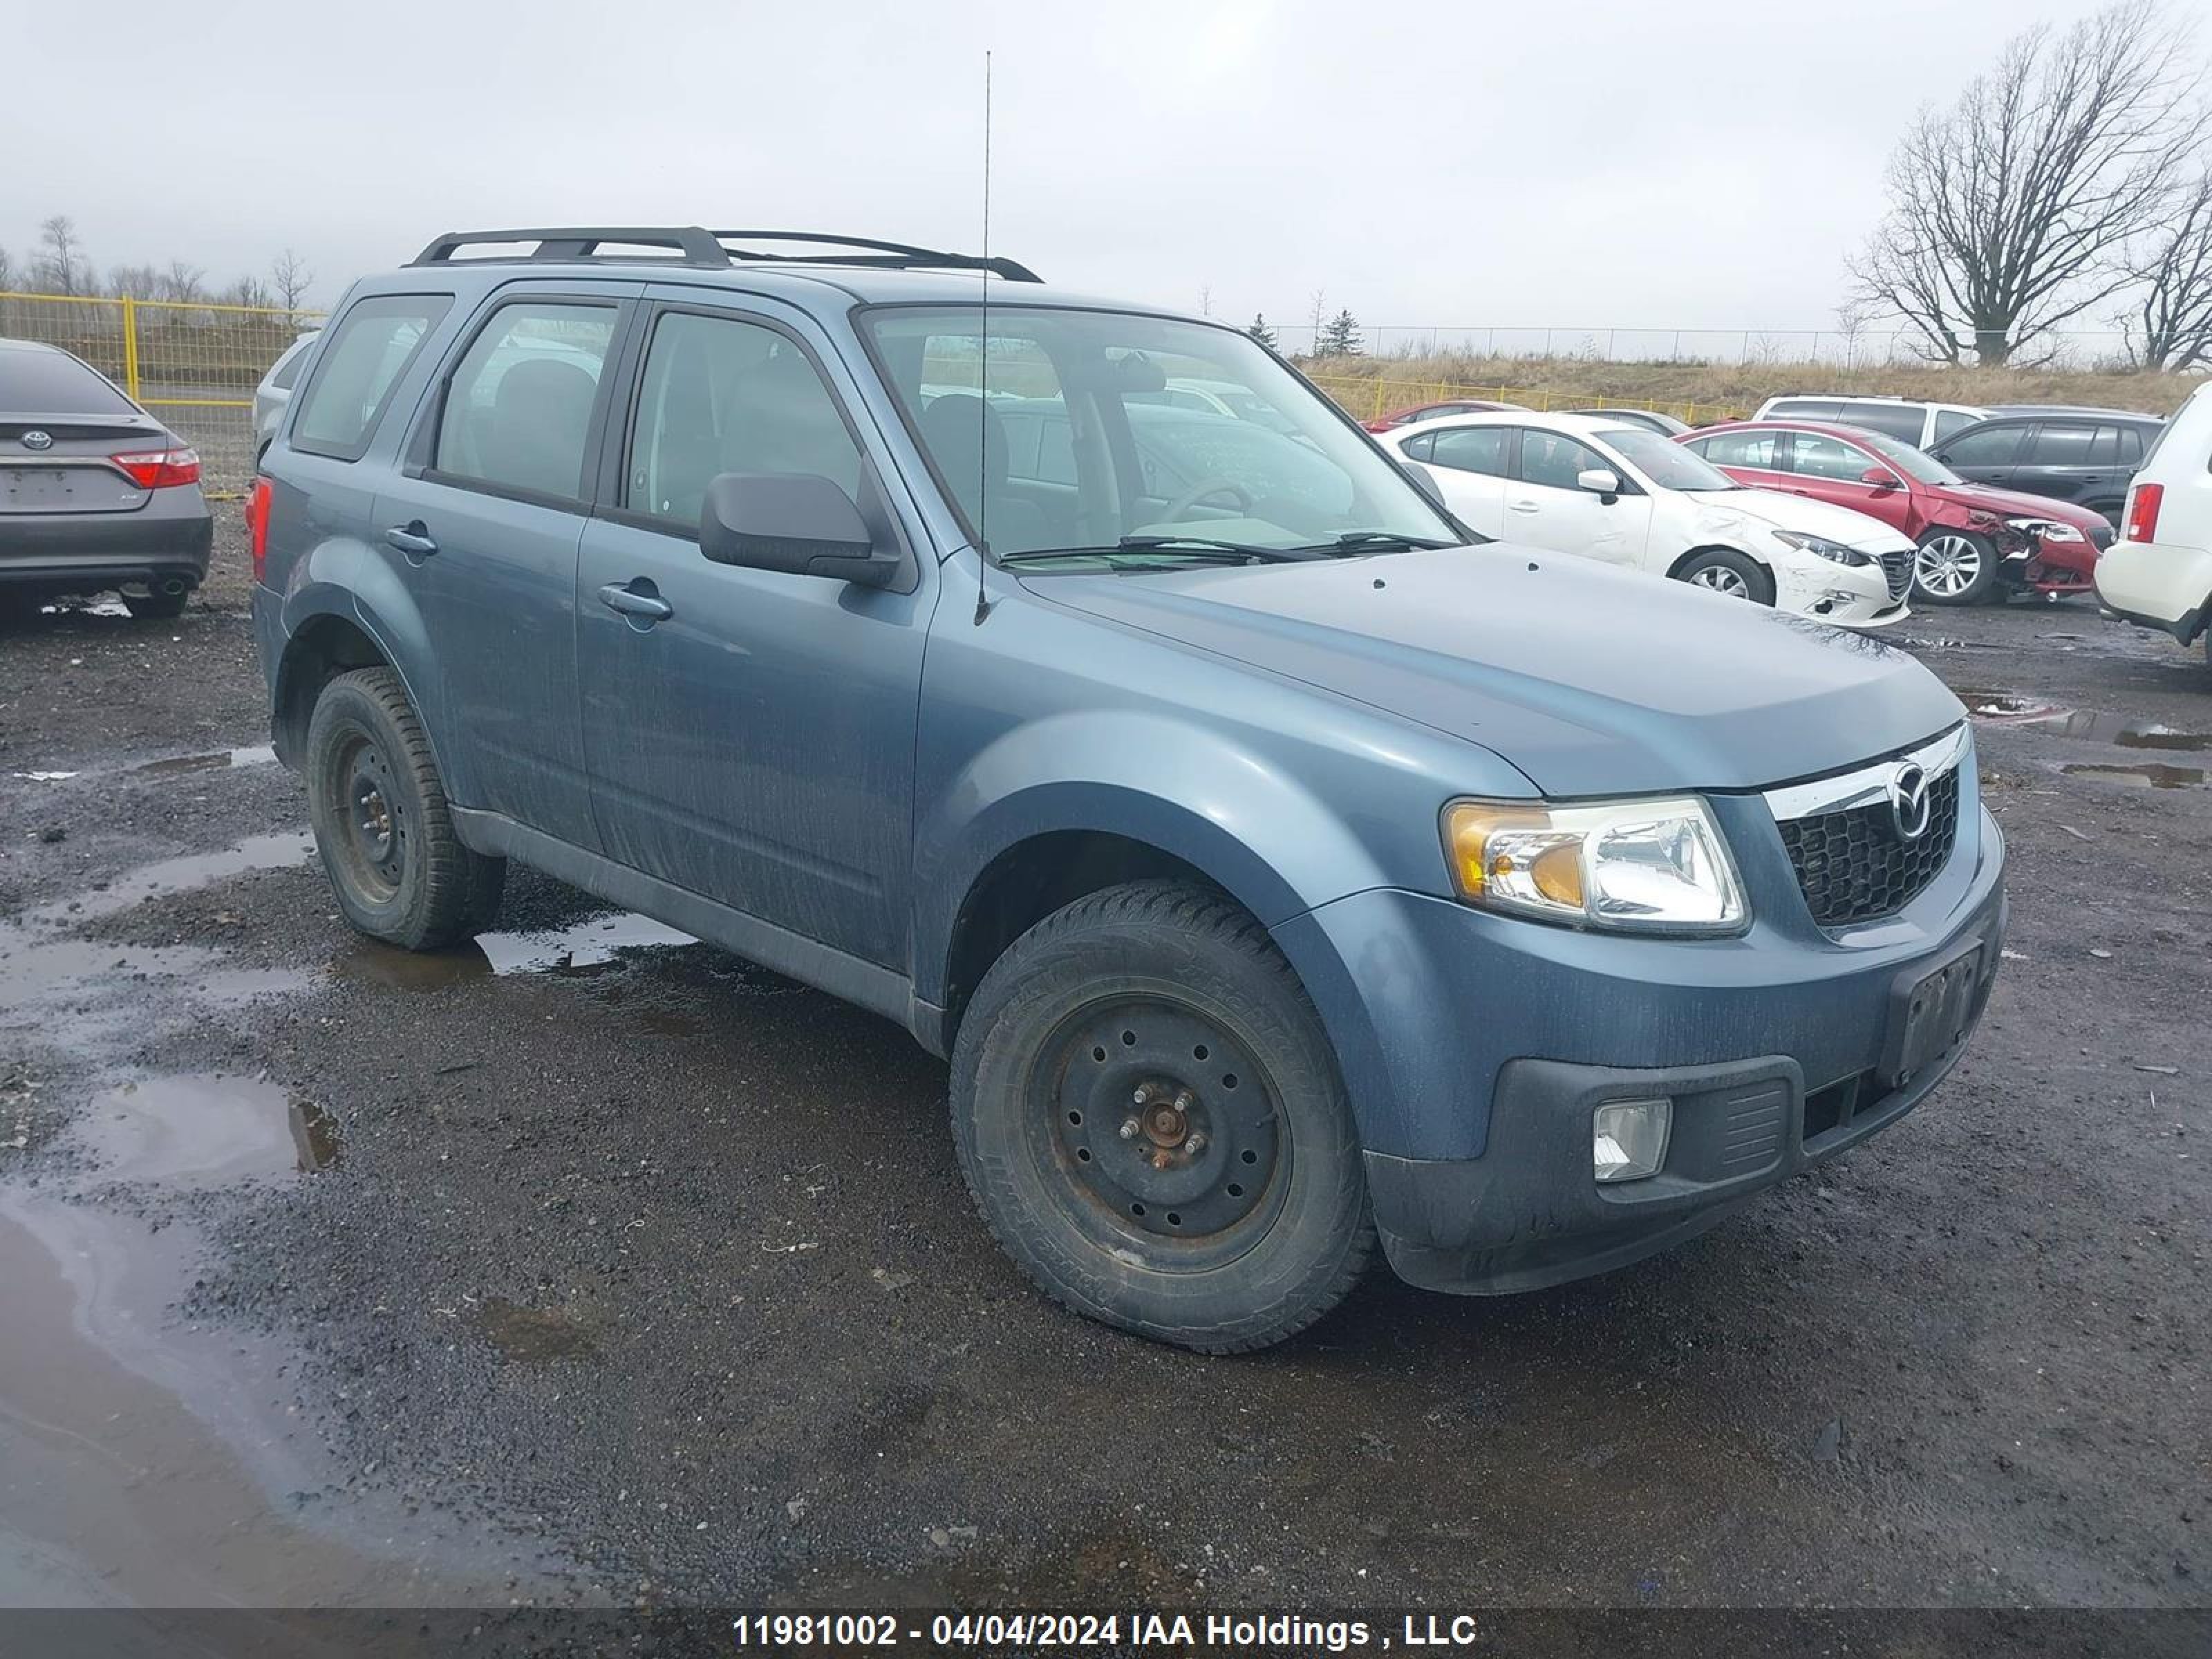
(1319, 323)
(2171, 325)
(7, 271)
(293, 276)
(2007, 211)
(133, 282)
(182, 281)
(250, 292)
(62, 267)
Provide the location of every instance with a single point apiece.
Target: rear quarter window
(1900, 420)
(368, 349)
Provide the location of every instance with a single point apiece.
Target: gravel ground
(576, 1267)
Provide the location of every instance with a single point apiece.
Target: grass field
(1703, 392)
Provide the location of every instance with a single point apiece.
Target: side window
(1754, 450)
(1991, 445)
(1552, 460)
(1422, 448)
(723, 395)
(1814, 456)
(2115, 445)
(1473, 449)
(2061, 443)
(368, 349)
(1899, 421)
(2130, 441)
(288, 372)
(1949, 421)
(518, 410)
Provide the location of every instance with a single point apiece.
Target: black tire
(1954, 567)
(1725, 570)
(157, 606)
(369, 768)
(1219, 1230)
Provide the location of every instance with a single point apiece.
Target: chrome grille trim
(1865, 785)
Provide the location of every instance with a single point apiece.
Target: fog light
(1628, 1138)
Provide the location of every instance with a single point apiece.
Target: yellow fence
(1365, 397)
(194, 364)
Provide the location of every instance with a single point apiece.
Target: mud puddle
(588, 947)
(2149, 775)
(154, 1460)
(2097, 725)
(220, 760)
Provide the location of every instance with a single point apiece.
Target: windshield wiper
(1362, 541)
(1202, 550)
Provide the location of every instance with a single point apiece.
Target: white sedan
(1582, 484)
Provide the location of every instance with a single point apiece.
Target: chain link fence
(193, 365)
(1367, 397)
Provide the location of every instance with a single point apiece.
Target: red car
(1436, 411)
(1975, 543)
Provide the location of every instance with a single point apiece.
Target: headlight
(1653, 866)
(2049, 530)
(1834, 551)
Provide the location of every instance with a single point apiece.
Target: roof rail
(695, 246)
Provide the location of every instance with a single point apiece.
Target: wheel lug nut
(1129, 1127)
(1196, 1144)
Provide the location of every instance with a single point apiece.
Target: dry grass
(1700, 392)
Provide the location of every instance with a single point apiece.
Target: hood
(2017, 504)
(1591, 681)
(1800, 512)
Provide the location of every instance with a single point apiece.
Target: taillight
(158, 469)
(256, 525)
(2139, 523)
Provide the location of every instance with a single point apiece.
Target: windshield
(1665, 462)
(1912, 463)
(1059, 433)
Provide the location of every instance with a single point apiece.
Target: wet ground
(587, 1264)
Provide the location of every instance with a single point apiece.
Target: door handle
(1524, 507)
(637, 600)
(412, 539)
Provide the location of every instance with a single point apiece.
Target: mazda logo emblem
(35, 439)
(1908, 806)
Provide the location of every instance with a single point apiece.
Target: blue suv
(1282, 871)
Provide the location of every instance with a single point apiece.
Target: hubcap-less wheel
(1947, 566)
(1165, 1131)
(1722, 580)
(374, 847)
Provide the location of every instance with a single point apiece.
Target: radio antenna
(984, 378)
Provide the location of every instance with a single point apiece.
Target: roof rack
(696, 247)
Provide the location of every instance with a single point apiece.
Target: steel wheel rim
(1721, 579)
(1947, 566)
(372, 830)
(1158, 1132)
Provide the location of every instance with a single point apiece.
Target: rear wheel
(1954, 567)
(1724, 571)
(381, 821)
(1150, 1120)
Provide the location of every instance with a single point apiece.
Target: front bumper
(1850, 595)
(1475, 1049)
(2157, 585)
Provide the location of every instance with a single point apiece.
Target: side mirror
(799, 523)
(1879, 477)
(1599, 481)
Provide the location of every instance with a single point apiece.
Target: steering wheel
(1176, 510)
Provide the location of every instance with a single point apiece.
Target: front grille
(1853, 864)
(1897, 571)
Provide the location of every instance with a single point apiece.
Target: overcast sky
(1591, 165)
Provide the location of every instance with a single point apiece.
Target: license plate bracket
(1929, 1009)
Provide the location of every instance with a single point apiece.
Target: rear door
(1751, 456)
(2058, 460)
(1470, 464)
(487, 511)
(1987, 454)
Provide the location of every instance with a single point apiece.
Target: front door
(1545, 505)
(1829, 470)
(749, 734)
(488, 510)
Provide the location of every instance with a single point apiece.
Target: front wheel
(381, 823)
(1954, 567)
(1724, 571)
(1150, 1118)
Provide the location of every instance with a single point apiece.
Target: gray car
(1284, 874)
(94, 492)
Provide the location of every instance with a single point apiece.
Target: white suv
(2159, 574)
(1919, 425)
